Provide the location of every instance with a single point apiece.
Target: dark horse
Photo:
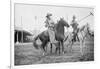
(59, 36)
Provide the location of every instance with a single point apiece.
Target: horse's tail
(34, 42)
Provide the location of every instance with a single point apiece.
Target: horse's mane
(61, 21)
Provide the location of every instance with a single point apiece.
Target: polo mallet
(86, 16)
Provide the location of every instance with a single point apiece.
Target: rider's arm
(46, 23)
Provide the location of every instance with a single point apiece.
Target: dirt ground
(26, 54)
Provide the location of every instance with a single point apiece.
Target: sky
(32, 17)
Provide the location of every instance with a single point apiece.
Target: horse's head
(85, 27)
(63, 22)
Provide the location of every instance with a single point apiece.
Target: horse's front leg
(59, 47)
(51, 47)
(62, 47)
(81, 47)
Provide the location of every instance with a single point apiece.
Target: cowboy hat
(74, 16)
(48, 14)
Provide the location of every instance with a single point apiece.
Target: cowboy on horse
(49, 23)
(54, 34)
(74, 25)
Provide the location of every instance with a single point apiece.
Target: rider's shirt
(74, 25)
(49, 23)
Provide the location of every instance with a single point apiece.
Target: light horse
(82, 33)
(59, 36)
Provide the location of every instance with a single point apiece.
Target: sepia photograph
(45, 34)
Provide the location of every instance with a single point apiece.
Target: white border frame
(12, 2)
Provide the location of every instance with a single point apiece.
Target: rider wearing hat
(50, 25)
(74, 25)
